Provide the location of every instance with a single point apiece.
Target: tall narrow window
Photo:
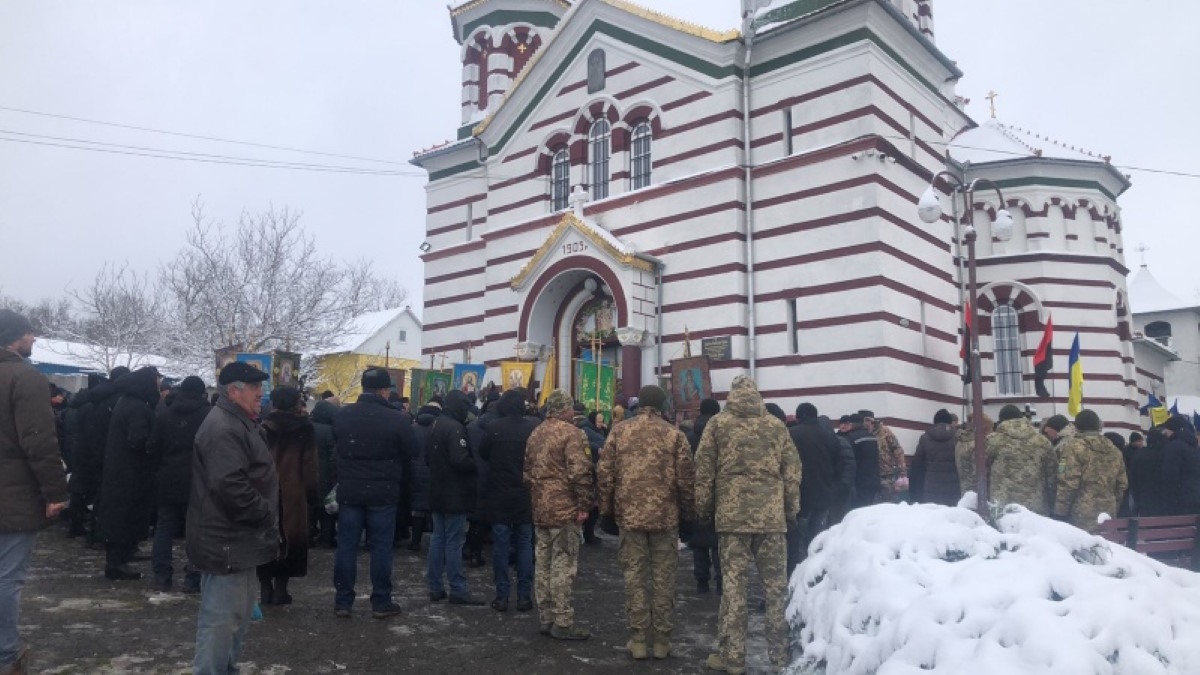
(642, 136)
(560, 180)
(1007, 337)
(596, 71)
(793, 328)
(787, 131)
(470, 220)
(600, 142)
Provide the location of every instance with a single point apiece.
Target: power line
(199, 136)
(160, 152)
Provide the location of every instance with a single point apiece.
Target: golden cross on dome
(991, 97)
(521, 48)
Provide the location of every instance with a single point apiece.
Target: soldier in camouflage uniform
(646, 481)
(1023, 468)
(893, 470)
(964, 452)
(558, 473)
(748, 480)
(1091, 475)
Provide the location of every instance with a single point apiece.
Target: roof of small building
(994, 141)
(1147, 295)
(86, 357)
(365, 326)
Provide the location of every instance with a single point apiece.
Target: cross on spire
(1142, 248)
(579, 197)
(991, 97)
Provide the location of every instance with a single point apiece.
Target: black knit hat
(1087, 420)
(710, 406)
(652, 396)
(943, 416)
(777, 412)
(13, 327)
(192, 385)
(1176, 423)
(375, 379)
(1057, 422)
(806, 411)
(1010, 412)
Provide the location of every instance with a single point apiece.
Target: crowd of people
(251, 488)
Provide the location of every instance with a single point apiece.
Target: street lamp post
(929, 208)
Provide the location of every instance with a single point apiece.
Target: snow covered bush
(930, 589)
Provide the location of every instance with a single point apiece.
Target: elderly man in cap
(373, 442)
(748, 481)
(232, 516)
(33, 487)
(646, 481)
(558, 474)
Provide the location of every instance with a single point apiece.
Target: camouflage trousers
(557, 555)
(768, 552)
(648, 561)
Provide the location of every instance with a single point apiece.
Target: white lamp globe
(590, 285)
(929, 208)
(1002, 228)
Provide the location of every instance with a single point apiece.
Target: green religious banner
(416, 395)
(597, 392)
(437, 383)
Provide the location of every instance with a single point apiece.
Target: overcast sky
(379, 79)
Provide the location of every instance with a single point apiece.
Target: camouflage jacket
(1091, 479)
(892, 467)
(558, 473)
(1022, 466)
(747, 470)
(964, 458)
(646, 477)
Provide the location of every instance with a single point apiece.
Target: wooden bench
(1170, 539)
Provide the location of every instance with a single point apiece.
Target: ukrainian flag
(1075, 397)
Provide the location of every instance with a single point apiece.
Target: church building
(628, 181)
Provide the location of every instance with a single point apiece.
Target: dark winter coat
(595, 439)
(452, 470)
(419, 468)
(292, 441)
(374, 441)
(96, 407)
(72, 438)
(1181, 472)
(934, 475)
(476, 431)
(818, 452)
(866, 464)
(233, 510)
(704, 535)
(1146, 484)
(31, 472)
(845, 469)
(171, 445)
(505, 498)
(322, 419)
(127, 484)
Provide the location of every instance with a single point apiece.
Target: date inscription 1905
(574, 247)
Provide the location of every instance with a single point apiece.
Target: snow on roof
(87, 357)
(1146, 295)
(994, 141)
(926, 588)
(361, 328)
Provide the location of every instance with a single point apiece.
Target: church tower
(498, 39)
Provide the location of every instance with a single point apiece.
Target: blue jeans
(168, 528)
(380, 524)
(16, 548)
(521, 536)
(226, 603)
(445, 554)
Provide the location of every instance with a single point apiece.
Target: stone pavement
(76, 621)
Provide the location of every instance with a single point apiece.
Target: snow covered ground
(930, 589)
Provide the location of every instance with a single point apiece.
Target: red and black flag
(964, 351)
(1043, 360)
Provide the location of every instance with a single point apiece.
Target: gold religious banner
(515, 374)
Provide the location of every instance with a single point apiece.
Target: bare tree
(262, 285)
(46, 315)
(119, 321)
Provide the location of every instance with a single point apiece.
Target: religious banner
(468, 376)
(285, 369)
(690, 382)
(515, 374)
(417, 388)
(597, 387)
(437, 383)
(261, 362)
(397, 375)
(225, 356)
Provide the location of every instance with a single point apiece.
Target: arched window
(1160, 331)
(560, 180)
(640, 163)
(600, 145)
(1007, 337)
